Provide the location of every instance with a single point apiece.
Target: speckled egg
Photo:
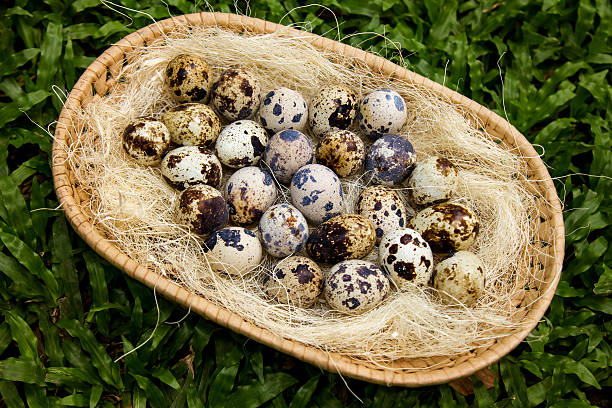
(342, 151)
(355, 286)
(447, 226)
(286, 152)
(406, 257)
(390, 160)
(201, 209)
(383, 208)
(461, 276)
(283, 108)
(382, 112)
(236, 94)
(433, 179)
(347, 236)
(192, 124)
(233, 250)
(316, 191)
(296, 281)
(189, 78)
(146, 140)
(283, 230)
(249, 192)
(333, 108)
(241, 144)
(190, 165)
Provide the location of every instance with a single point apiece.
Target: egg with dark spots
(286, 152)
(460, 278)
(355, 286)
(333, 108)
(249, 192)
(283, 230)
(296, 281)
(190, 165)
(189, 78)
(283, 108)
(342, 151)
(233, 251)
(347, 236)
(406, 257)
(201, 209)
(382, 112)
(317, 192)
(390, 160)
(236, 94)
(447, 226)
(146, 140)
(241, 144)
(384, 208)
(433, 179)
(192, 124)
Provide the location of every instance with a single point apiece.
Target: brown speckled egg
(333, 108)
(447, 226)
(347, 236)
(382, 112)
(383, 207)
(192, 124)
(355, 286)
(189, 78)
(249, 192)
(433, 179)
(296, 281)
(190, 165)
(201, 209)
(146, 140)
(233, 251)
(317, 192)
(241, 144)
(236, 94)
(406, 257)
(461, 276)
(342, 151)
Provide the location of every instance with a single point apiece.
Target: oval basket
(99, 78)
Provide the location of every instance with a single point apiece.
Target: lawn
(67, 315)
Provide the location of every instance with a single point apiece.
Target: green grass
(66, 315)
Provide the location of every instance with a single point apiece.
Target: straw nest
(134, 206)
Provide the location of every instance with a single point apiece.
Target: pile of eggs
(265, 144)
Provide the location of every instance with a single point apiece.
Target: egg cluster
(263, 139)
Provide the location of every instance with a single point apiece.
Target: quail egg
(333, 108)
(286, 152)
(189, 78)
(390, 160)
(202, 209)
(296, 281)
(382, 112)
(233, 250)
(192, 124)
(316, 191)
(342, 151)
(236, 94)
(241, 144)
(249, 192)
(283, 230)
(146, 140)
(190, 165)
(433, 179)
(461, 278)
(406, 257)
(355, 286)
(283, 108)
(383, 208)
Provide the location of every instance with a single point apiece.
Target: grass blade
(23, 336)
(19, 212)
(50, 52)
(99, 290)
(254, 395)
(26, 371)
(65, 270)
(304, 393)
(10, 395)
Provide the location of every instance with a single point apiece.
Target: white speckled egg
(286, 152)
(249, 192)
(355, 286)
(383, 207)
(201, 209)
(390, 160)
(241, 144)
(342, 151)
(406, 257)
(461, 276)
(283, 230)
(146, 140)
(190, 165)
(333, 108)
(297, 281)
(233, 250)
(192, 124)
(189, 78)
(283, 108)
(433, 179)
(316, 191)
(447, 226)
(236, 94)
(382, 112)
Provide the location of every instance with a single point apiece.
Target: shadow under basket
(100, 77)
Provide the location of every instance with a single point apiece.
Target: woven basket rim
(493, 123)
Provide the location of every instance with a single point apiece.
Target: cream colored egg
(192, 124)
(333, 108)
(406, 257)
(460, 278)
(241, 144)
(283, 108)
(190, 165)
(383, 207)
(317, 192)
(233, 250)
(433, 179)
(296, 281)
(382, 112)
(146, 140)
(249, 192)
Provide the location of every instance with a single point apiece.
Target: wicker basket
(100, 77)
